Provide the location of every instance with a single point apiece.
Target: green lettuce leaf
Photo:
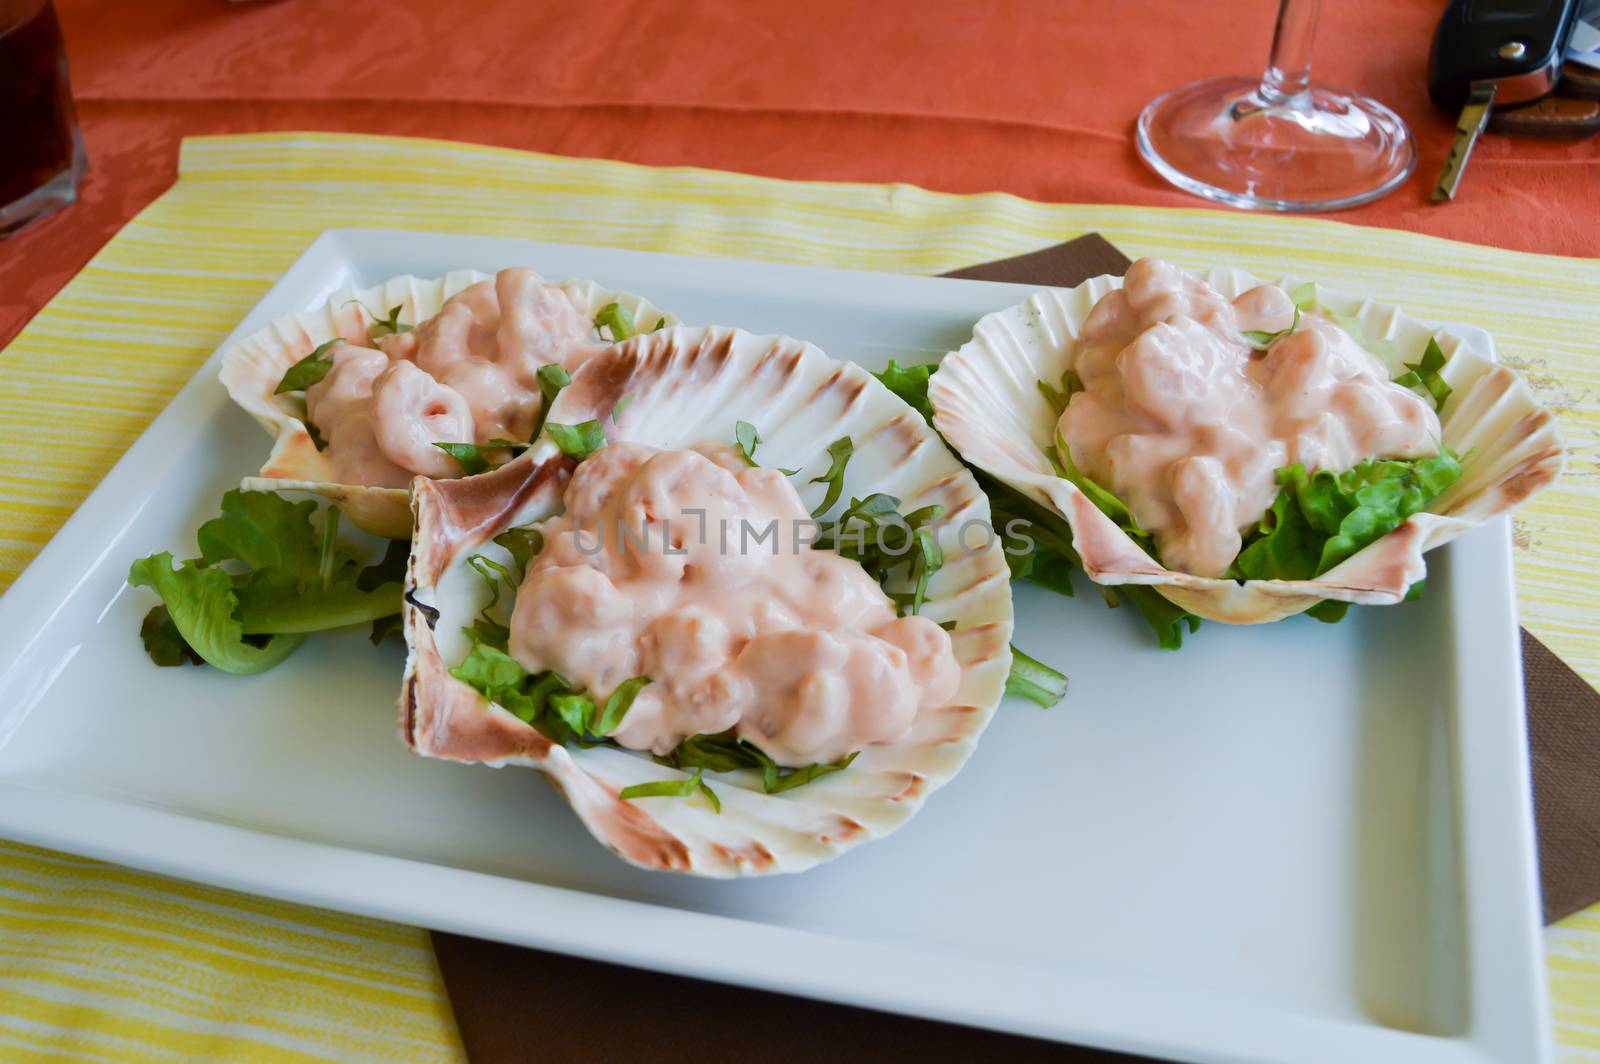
(263, 530)
(390, 569)
(265, 571)
(910, 383)
(270, 604)
(201, 602)
(163, 642)
(1320, 519)
(562, 713)
(1166, 619)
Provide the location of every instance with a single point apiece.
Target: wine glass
(1277, 143)
(41, 147)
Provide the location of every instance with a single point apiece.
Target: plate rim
(1505, 1013)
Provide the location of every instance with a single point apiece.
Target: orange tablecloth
(1035, 98)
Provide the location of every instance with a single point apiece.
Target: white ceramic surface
(1284, 843)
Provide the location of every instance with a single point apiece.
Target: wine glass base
(1321, 150)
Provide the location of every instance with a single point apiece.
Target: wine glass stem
(1289, 69)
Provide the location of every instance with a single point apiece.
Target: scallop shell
(987, 404)
(253, 367)
(687, 386)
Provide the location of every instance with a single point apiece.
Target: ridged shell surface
(253, 367)
(673, 389)
(988, 405)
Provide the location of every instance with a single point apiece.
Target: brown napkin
(504, 996)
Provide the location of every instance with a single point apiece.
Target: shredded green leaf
(681, 788)
(747, 437)
(1261, 340)
(927, 559)
(618, 704)
(726, 752)
(1103, 499)
(309, 370)
(1305, 299)
(562, 713)
(578, 441)
(552, 379)
(1034, 680)
(1425, 374)
(617, 319)
(488, 629)
(389, 326)
(1052, 558)
(522, 544)
(474, 458)
(801, 776)
(1058, 398)
(839, 452)
(874, 534)
(315, 433)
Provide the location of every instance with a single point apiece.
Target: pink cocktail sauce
(693, 569)
(466, 375)
(1187, 423)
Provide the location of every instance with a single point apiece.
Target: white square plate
(1295, 842)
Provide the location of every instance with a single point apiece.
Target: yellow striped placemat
(102, 963)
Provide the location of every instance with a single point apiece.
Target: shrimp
(501, 408)
(347, 386)
(411, 412)
(540, 324)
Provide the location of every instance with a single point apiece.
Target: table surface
(1039, 97)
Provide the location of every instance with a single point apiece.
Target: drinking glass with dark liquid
(41, 148)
